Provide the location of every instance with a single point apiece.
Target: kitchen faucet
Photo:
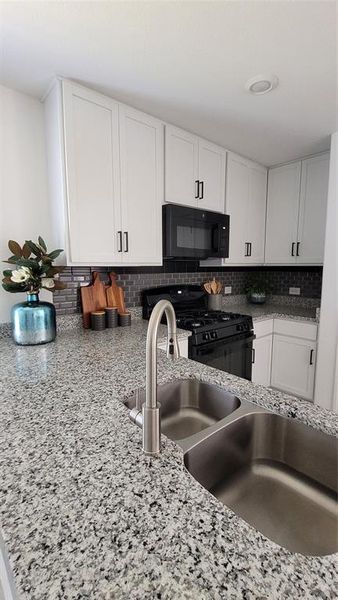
(148, 416)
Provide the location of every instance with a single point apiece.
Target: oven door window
(233, 355)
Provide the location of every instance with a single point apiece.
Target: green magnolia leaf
(53, 255)
(12, 260)
(42, 243)
(7, 273)
(15, 287)
(15, 248)
(33, 247)
(26, 252)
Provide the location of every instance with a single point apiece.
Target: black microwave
(194, 233)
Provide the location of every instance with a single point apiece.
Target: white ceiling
(187, 63)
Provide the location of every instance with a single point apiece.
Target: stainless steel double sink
(276, 473)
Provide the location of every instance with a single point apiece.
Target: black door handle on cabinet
(202, 190)
(126, 241)
(297, 251)
(250, 248)
(197, 189)
(293, 249)
(119, 237)
(246, 245)
(253, 356)
(311, 357)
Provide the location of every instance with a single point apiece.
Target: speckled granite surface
(270, 311)
(86, 515)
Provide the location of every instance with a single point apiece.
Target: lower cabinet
(261, 367)
(293, 366)
(182, 344)
(284, 356)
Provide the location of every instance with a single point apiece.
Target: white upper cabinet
(141, 147)
(282, 214)
(211, 176)
(312, 209)
(245, 202)
(296, 212)
(105, 162)
(256, 213)
(92, 178)
(194, 171)
(181, 167)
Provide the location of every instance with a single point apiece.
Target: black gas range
(219, 339)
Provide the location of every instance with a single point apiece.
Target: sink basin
(189, 406)
(278, 475)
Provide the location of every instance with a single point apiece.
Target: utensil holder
(215, 302)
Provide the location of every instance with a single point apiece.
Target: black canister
(98, 320)
(111, 317)
(124, 319)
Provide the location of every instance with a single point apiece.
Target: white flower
(21, 275)
(47, 282)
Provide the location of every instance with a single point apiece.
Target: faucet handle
(173, 349)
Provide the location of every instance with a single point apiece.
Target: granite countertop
(260, 312)
(86, 515)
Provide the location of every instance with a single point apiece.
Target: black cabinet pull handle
(311, 357)
(297, 251)
(202, 191)
(119, 238)
(197, 189)
(293, 249)
(126, 242)
(246, 249)
(253, 356)
(250, 248)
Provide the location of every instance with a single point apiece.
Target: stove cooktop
(203, 318)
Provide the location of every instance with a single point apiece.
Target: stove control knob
(206, 336)
(239, 327)
(213, 335)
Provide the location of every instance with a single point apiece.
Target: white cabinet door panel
(237, 193)
(211, 160)
(293, 366)
(261, 368)
(312, 209)
(181, 166)
(255, 220)
(141, 148)
(92, 168)
(282, 214)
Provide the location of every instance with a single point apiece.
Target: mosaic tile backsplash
(134, 279)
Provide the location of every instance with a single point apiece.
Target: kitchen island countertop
(85, 514)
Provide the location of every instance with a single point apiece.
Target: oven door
(233, 355)
(194, 233)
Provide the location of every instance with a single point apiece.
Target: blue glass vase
(33, 321)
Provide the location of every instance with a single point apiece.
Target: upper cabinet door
(282, 214)
(141, 149)
(256, 215)
(312, 209)
(92, 175)
(181, 166)
(211, 174)
(237, 198)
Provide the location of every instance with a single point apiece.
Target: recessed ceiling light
(261, 84)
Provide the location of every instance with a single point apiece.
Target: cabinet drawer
(299, 329)
(262, 328)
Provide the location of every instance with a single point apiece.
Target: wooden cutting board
(93, 297)
(115, 295)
